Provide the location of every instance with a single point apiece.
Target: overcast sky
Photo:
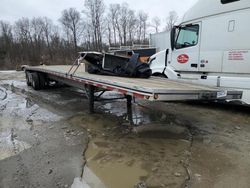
(11, 10)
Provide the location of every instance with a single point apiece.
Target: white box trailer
(211, 46)
(160, 40)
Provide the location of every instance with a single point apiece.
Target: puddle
(162, 131)
(123, 156)
(118, 108)
(140, 114)
(114, 171)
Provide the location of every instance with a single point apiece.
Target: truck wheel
(35, 81)
(162, 75)
(27, 75)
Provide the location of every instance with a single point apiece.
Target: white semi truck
(211, 46)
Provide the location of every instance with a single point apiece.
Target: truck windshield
(187, 36)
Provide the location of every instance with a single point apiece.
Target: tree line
(97, 27)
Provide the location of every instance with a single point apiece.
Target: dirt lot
(48, 138)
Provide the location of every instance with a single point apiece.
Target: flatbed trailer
(152, 89)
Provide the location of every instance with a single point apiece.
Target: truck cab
(211, 46)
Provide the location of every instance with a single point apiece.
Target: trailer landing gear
(129, 109)
(91, 90)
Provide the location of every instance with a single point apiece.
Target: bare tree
(109, 28)
(88, 36)
(142, 29)
(119, 30)
(6, 30)
(94, 10)
(23, 35)
(6, 33)
(114, 10)
(171, 20)
(31, 40)
(6, 40)
(132, 21)
(155, 23)
(71, 19)
(47, 30)
(23, 30)
(37, 35)
(123, 21)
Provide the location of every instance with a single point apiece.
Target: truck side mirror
(172, 37)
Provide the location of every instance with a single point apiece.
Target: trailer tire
(35, 83)
(42, 80)
(27, 75)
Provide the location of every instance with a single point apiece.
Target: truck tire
(28, 75)
(161, 75)
(35, 83)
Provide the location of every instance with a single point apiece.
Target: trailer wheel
(35, 81)
(42, 80)
(27, 75)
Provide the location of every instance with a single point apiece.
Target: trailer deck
(153, 89)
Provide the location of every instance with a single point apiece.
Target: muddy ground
(48, 138)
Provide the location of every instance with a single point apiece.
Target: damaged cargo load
(112, 65)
